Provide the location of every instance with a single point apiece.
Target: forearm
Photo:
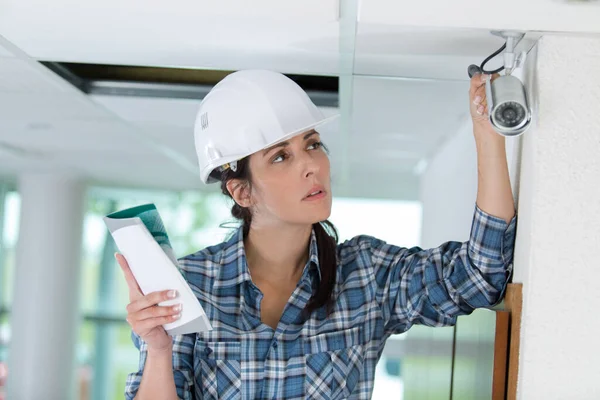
(157, 380)
(494, 193)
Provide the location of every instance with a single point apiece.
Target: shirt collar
(313, 254)
(234, 267)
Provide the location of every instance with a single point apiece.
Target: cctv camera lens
(510, 114)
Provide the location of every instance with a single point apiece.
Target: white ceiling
(408, 89)
(580, 16)
(226, 35)
(45, 123)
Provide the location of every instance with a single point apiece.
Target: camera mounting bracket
(511, 60)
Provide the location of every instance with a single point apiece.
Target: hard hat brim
(207, 170)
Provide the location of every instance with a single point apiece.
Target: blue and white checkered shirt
(380, 290)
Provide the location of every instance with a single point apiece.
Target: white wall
(558, 234)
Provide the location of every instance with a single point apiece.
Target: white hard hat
(246, 112)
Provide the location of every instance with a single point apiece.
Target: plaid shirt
(380, 290)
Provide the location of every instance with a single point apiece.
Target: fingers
(478, 81)
(134, 289)
(150, 300)
(477, 94)
(156, 311)
(479, 101)
(144, 314)
(143, 327)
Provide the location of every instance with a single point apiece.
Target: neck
(277, 253)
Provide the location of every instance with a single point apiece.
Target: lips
(315, 191)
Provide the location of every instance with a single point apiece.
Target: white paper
(155, 271)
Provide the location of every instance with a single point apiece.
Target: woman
(294, 314)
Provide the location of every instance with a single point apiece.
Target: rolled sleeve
(492, 240)
(434, 286)
(183, 346)
(490, 250)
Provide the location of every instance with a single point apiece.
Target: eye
(315, 145)
(279, 158)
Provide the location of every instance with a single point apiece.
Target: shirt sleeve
(183, 346)
(434, 286)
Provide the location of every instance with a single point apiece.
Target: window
(9, 224)
(9, 216)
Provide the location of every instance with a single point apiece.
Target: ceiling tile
(37, 107)
(18, 76)
(419, 113)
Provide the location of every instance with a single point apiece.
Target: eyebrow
(286, 143)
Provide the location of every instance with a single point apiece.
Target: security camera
(508, 107)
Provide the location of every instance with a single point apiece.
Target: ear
(239, 191)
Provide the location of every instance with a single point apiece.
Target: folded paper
(141, 237)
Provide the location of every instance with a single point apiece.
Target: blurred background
(97, 107)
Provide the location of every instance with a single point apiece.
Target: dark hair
(325, 232)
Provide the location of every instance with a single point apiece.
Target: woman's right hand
(145, 316)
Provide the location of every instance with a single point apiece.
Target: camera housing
(508, 107)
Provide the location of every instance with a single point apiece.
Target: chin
(319, 215)
(320, 218)
(309, 217)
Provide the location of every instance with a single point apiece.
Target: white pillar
(556, 254)
(44, 316)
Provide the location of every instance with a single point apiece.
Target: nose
(310, 165)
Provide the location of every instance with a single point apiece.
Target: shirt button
(275, 344)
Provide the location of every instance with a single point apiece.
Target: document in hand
(142, 239)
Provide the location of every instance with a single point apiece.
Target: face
(291, 182)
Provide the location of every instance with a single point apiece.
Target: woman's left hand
(478, 101)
